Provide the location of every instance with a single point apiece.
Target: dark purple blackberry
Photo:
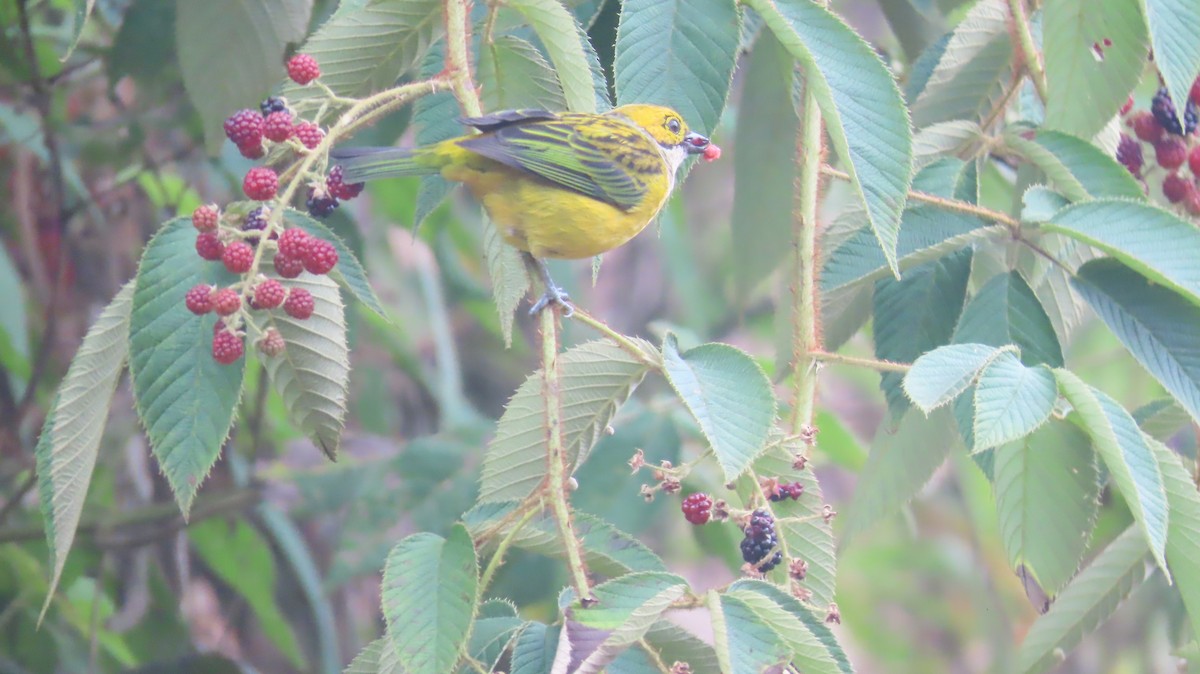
(256, 220)
(320, 205)
(1163, 110)
(776, 560)
(760, 537)
(1129, 153)
(1189, 118)
(780, 495)
(272, 104)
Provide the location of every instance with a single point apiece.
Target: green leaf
(1006, 311)
(436, 119)
(564, 40)
(1174, 25)
(744, 644)
(1047, 496)
(349, 272)
(863, 110)
(764, 166)
(184, 398)
(728, 394)
(1085, 604)
(814, 647)
(1162, 418)
(1077, 168)
(595, 378)
(14, 325)
(1156, 325)
(83, 9)
(378, 657)
(959, 137)
(678, 53)
(1183, 532)
(510, 281)
(366, 47)
(940, 375)
(138, 49)
(313, 372)
(628, 606)
(1155, 243)
(676, 644)
(1128, 456)
(430, 587)
(606, 549)
(535, 649)
(1087, 86)
(902, 460)
(236, 66)
(971, 70)
(496, 626)
(70, 441)
(917, 314)
(512, 74)
(1040, 203)
(1011, 401)
(239, 556)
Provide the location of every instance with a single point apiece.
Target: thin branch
(944, 203)
(458, 64)
(622, 341)
(805, 312)
(497, 559)
(1029, 52)
(869, 363)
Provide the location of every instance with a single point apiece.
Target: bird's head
(668, 129)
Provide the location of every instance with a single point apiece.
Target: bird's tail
(372, 163)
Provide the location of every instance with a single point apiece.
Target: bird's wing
(494, 121)
(605, 159)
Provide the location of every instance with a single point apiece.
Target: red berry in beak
(712, 153)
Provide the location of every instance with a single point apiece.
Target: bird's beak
(695, 143)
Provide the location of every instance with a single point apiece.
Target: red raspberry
(260, 183)
(299, 304)
(238, 257)
(339, 189)
(795, 490)
(697, 508)
(294, 242)
(205, 218)
(244, 127)
(303, 69)
(1146, 127)
(320, 257)
(1129, 153)
(1194, 161)
(1194, 95)
(199, 299)
(1192, 203)
(288, 266)
(1171, 152)
(227, 347)
(1127, 107)
(278, 126)
(253, 150)
(269, 294)
(309, 134)
(227, 301)
(272, 343)
(208, 246)
(1176, 188)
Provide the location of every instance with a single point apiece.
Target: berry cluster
(697, 508)
(760, 540)
(1173, 141)
(274, 122)
(786, 491)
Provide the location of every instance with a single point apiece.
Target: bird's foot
(554, 295)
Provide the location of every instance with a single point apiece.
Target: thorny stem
(458, 41)
(869, 363)
(498, 557)
(944, 203)
(805, 340)
(622, 341)
(1029, 52)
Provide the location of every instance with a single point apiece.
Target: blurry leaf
(1162, 418)
(184, 398)
(236, 66)
(1157, 326)
(940, 375)
(922, 69)
(1183, 533)
(1130, 459)
(1085, 603)
(951, 138)
(313, 372)
(496, 625)
(678, 53)
(1074, 166)
(676, 644)
(1005, 311)
(70, 441)
(564, 40)
(239, 556)
(14, 325)
(512, 75)
(349, 272)
(1153, 242)
(1047, 496)
(1011, 400)
(743, 642)
(606, 549)
(430, 587)
(535, 649)
(764, 166)
(863, 111)
(627, 607)
(138, 49)
(595, 379)
(917, 314)
(1040, 203)
(728, 394)
(971, 71)
(814, 647)
(902, 460)
(83, 9)
(378, 657)
(364, 49)
(510, 281)
(1174, 25)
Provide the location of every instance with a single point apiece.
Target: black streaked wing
(586, 157)
(495, 121)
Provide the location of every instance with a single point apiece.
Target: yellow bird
(557, 185)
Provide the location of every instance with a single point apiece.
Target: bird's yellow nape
(663, 124)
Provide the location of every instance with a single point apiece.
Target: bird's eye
(673, 125)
